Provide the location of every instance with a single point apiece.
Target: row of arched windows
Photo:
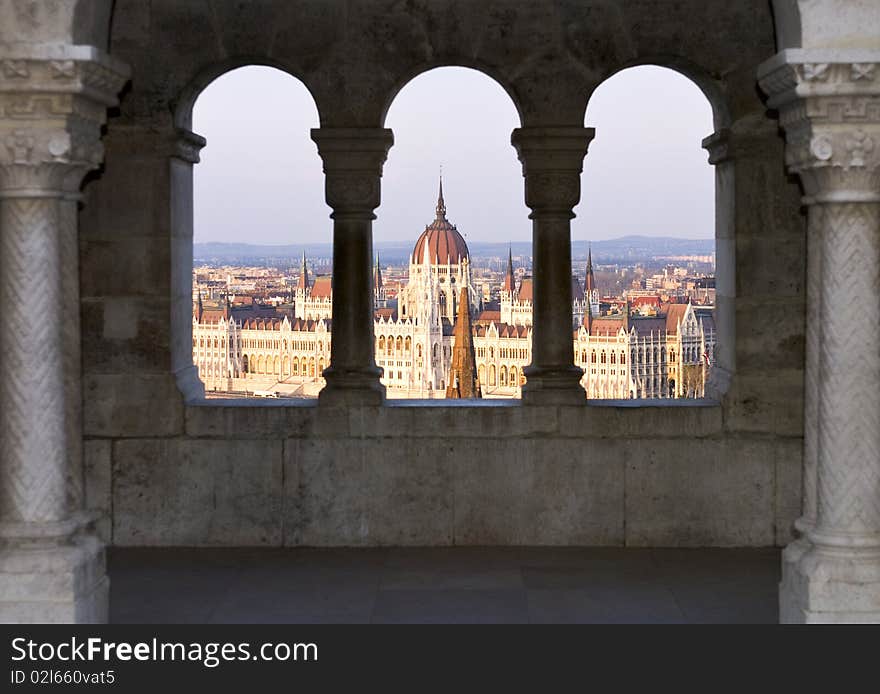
(390, 344)
(283, 366)
(505, 376)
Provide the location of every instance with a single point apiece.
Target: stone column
(353, 159)
(552, 160)
(184, 147)
(829, 106)
(51, 563)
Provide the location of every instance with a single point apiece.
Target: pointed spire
(377, 276)
(441, 204)
(509, 281)
(463, 381)
(589, 280)
(588, 317)
(199, 308)
(626, 310)
(303, 282)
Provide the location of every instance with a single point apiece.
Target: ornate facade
(622, 356)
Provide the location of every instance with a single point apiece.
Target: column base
(56, 582)
(822, 585)
(189, 383)
(553, 386)
(352, 388)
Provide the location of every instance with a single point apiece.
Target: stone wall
(171, 472)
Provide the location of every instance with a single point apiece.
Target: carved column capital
(52, 107)
(187, 146)
(552, 160)
(353, 160)
(829, 107)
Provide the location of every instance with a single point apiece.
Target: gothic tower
(463, 381)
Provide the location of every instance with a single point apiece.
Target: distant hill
(395, 253)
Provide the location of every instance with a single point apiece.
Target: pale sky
(260, 178)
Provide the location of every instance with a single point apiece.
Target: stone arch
(712, 89)
(492, 375)
(713, 106)
(186, 99)
(419, 71)
(185, 153)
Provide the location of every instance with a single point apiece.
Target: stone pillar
(53, 107)
(184, 147)
(552, 160)
(353, 159)
(829, 106)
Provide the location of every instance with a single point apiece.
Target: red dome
(445, 245)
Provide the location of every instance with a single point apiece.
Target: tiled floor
(452, 584)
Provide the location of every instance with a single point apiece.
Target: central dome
(445, 245)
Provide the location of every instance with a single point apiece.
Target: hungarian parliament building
(655, 351)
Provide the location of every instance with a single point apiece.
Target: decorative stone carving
(831, 115)
(829, 106)
(51, 113)
(353, 160)
(552, 161)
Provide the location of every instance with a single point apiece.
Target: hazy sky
(260, 177)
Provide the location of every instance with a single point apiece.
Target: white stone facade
(666, 357)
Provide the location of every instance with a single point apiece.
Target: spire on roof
(588, 317)
(589, 280)
(509, 281)
(626, 310)
(463, 381)
(377, 276)
(199, 308)
(441, 204)
(303, 282)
